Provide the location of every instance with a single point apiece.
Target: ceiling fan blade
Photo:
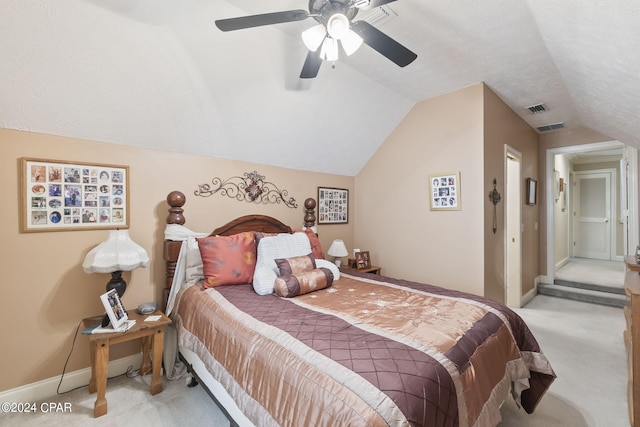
(384, 44)
(375, 3)
(311, 66)
(242, 22)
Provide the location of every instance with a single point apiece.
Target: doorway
(593, 215)
(628, 198)
(513, 228)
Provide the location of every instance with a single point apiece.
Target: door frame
(512, 292)
(632, 208)
(613, 238)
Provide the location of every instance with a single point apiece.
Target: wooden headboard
(262, 223)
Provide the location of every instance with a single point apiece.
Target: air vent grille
(537, 109)
(552, 126)
(378, 15)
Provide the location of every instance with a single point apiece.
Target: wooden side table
(152, 335)
(374, 269)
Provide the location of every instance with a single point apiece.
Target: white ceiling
(159, 74)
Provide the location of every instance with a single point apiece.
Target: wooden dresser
(632, 337)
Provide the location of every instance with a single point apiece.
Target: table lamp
(116, 254)
(338, 250)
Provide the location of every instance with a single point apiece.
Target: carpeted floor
(585, 346)
(582, 341)
(129, 404)
(582, 270)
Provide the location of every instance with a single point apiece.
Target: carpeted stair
(585, 292)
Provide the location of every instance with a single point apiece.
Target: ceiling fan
(335, 24)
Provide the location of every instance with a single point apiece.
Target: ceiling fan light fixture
(351, 42)
(314, 36)
(338, 26)
(329, 50)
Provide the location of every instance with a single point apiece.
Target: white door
(513, 226)
(593, 215)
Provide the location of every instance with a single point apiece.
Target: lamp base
(117, 283)
(338, 262)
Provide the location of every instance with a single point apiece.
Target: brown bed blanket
(367, 351)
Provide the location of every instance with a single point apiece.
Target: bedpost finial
(176, 200)
(310, 212)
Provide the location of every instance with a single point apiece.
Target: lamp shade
(338, 249)
(117, 253)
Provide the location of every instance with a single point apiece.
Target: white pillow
(331, 266)
(194, 269)
(271, 248)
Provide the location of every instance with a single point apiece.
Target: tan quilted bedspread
(364, 352)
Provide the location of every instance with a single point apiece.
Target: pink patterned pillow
(228, 260)
(316, 248)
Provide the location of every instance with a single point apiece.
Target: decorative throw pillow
(271, 248)
(316, 248)
(303, 283)
(194, 271)
(228, 260)
(323, 263)
(295, 265)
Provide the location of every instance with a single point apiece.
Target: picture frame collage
(333, 205)
(445, 192)
(61, 195)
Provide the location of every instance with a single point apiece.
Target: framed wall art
(61, 195)
(445, 192)
(333, 205)
(532, 191)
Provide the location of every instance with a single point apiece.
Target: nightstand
(374, 269)
(152, 336)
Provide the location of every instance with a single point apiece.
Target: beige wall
(393, 220)
(503, 126)
(45, 291)
(462, 131)
(561, 227)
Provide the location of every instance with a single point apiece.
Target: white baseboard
(44, 389)
(562, 263)
(532, 293)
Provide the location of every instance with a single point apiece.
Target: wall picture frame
(363, 260)
(445, 192)
(59, 195)
(532, 191)
(333, 205)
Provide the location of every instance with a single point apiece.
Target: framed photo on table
(113, 306)
(333, 205)
(444, 192)
(62, 196)
(362, 260)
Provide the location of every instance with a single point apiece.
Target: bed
(329, 347)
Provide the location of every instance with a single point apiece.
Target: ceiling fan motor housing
(323, 10)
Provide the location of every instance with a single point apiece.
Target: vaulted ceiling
(159, 74)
